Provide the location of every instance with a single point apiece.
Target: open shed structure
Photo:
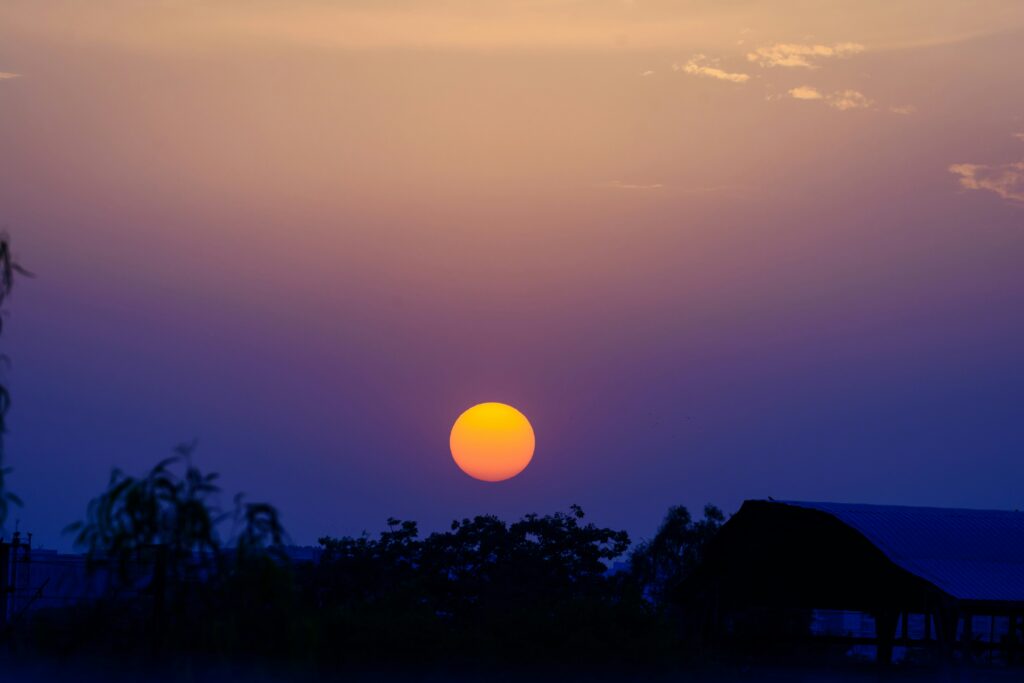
(775, 562)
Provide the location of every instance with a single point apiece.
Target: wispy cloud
(647, 73)
(806, 92)
(5, 75)
(702, 65)
(621, 185)
(843, 100)
(801, 55)
(1019, 136)
(635, 25)
(1006, 180)
(706, 189)
(903, 109)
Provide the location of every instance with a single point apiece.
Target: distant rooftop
(968, 554)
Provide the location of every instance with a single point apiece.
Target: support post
(12, 591)
(885, 632)
(968, 637)
(5, 565)
(947, 619)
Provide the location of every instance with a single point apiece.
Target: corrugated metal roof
(969, 554)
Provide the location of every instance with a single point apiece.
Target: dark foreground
(43, 672)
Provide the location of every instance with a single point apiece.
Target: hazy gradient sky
(714, 250)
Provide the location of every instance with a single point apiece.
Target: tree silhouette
(9, 268)
(135, 515)
(173, 517)
(482, 589)
(660, 564)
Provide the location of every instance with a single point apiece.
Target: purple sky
(712, 255)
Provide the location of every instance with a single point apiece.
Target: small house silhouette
(946, 581)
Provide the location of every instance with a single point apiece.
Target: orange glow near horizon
(492, 442)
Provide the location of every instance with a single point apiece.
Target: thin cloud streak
(843, 100)
(620, 185)
(799, 55)
(650, 187)
(704, 66)
(705, 25)
(7, 75)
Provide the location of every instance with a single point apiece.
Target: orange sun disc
(492, 442)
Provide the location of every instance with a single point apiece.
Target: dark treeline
(185, 579)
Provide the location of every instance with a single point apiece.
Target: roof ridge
(822, 503)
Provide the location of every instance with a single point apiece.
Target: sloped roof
(968, 554)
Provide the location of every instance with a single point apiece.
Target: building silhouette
(878, 580)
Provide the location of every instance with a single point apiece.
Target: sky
(713, 250)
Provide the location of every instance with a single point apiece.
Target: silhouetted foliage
(9, 268)
(480, 562)
(136, 514)
(537, 589)
(662, 563)
(173, 517)
(174, 582)
(540, 590)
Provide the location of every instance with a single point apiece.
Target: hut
(954, 574)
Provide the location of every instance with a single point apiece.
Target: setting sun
(492, 442)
